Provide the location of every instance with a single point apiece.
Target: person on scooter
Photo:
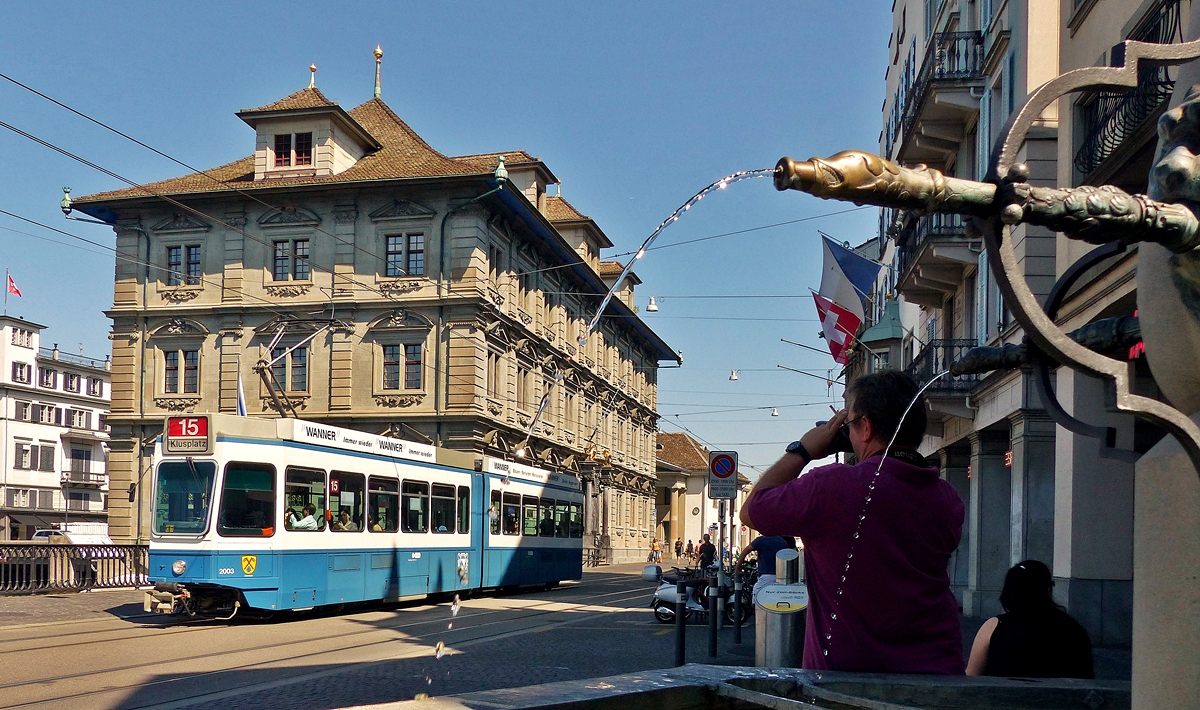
(877, 536)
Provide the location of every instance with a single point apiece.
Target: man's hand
(818, 441)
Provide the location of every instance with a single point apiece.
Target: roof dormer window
(286, 156)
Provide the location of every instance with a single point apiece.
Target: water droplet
(843, 579)
(454, 608)
(826, 652)
(868, 499)
(862, 518)
(428, 680)
(833, 616)
(855, 536)
(839, 592)
(450, 625)
(828, 637)
(439, 650)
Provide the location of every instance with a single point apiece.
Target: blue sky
(635, 106)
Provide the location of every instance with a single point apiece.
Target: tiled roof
(611, 268)
(682, 450)
(559, 210)
(310, 97)
(404, 154)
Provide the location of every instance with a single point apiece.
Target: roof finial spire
(312, 83)
(378, 57)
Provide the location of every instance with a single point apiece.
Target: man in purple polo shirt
(877, 540)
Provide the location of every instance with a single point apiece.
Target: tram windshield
(183, 496)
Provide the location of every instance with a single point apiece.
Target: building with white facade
(683, 508)
(53, 433)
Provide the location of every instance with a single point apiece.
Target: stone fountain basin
(703, 687)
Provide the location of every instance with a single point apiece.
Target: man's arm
(818, 442)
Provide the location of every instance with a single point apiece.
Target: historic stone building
(392, 288)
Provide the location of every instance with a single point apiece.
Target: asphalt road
(99, 650)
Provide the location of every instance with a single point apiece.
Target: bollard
(737, 607)
(713, 593)
(680, 624)
(779, 616)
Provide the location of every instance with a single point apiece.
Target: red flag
(839, 326)
(12, 287)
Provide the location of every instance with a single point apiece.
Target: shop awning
(35, 520)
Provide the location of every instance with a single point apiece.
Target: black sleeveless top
(1046, 644)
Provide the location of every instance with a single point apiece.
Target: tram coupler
(163, 597)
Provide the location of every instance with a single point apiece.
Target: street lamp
(652, 307)
(733, 376)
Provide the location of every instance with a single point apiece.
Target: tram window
(546, 526)
(383, 504)
(494, 512)
(512, 514)
(247, 501)
(576, 520)
(531, 517)
(346, 501)
(183, 495)
(561, 520)
(414, 500)
(304, 499)
(464, 509)
(442, 511)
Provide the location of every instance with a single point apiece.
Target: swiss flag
(12, 287)
(839, 326)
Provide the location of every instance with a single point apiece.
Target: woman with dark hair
(1034, 637)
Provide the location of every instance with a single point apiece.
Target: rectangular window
(412, 367)
(24, 412)
(282, 261)
(25, 457)
(530, 517)
(300, 267)
(71, 382)
(193, 265)
(78, 501)
(174, 266)
(464, 509)
(442, 509)
(304, 499)
(171, 372)
(290, 370)
(45, 500)
(247, 501)
(383, 509)
(47, 377)
(512, 514)
(546, 525)
(77, 419)
(304, 149)
(346, 501)
(522, 388)
(22, 337)
(576, 520)
(299, 369)
(22, 373)
(283, 150)
(391, 367)
(191, 371)
(95, 387)
(395, 255)
(279, 366)
(494, 513)
(414, 504)
(493, 375)
(562, 521)
(416, 254)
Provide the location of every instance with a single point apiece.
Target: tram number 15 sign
(722, 474)
(187, 435)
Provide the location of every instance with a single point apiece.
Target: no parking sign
(722, 474)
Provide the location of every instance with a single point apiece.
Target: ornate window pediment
(401, 319)
(402, 209)
(181, 223)
(293, 325)
(179, 327)
(289, 217)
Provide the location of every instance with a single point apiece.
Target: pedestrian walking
(678, 548)
(691, 551)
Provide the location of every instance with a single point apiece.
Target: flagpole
(6, 290)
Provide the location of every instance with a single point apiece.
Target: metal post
(712, 614)
(720, 568)
(680, 625)
(737, 605)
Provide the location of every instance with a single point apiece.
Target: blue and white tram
(275, 514)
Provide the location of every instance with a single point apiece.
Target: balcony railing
(935, 359)
(84, 477)
(949, 56)
(1110, 119)
(53, 354)
(919, 232)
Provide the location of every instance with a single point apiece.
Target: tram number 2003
(226, 570)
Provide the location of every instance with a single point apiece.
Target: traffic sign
(722, 474)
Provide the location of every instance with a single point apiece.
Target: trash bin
(779, 616)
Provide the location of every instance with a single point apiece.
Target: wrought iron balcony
(86, 474)
(953, 60)
(1108, 119)
(936, 358)
(931, 256)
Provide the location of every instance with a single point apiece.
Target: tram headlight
(179, 567)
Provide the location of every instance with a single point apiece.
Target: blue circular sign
(723, 466)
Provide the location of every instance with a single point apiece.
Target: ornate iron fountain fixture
(1104, 215)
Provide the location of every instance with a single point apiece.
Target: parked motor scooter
(666, 596)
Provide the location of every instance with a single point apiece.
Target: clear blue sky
(635, 106)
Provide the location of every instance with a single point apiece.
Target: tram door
(346, 576)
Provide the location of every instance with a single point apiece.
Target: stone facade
(427, 295)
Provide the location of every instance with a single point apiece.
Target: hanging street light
(652, 307)
(733, 376)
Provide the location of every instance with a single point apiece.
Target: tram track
(453, 637)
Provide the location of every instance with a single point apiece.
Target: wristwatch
(798, 448)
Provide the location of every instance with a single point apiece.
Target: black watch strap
(798, 448)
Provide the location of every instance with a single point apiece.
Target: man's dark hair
(882, 397)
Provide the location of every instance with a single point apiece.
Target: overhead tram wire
(166, 198)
